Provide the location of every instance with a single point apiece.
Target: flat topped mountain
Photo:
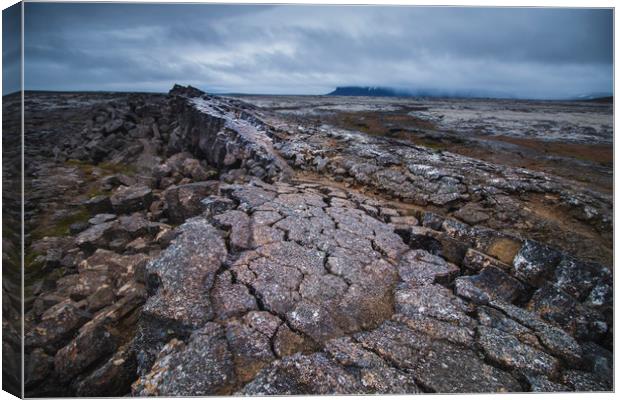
(364, 91)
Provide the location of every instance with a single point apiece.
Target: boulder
(202, 366)
(535, 263)
(113, 126)
(540, 383)
(490, 283)
(127, 199)
(558, 307)
(89, 346)
(97, 236)
(300, 374)
(578, 278)
(98, 204)
(193, 169)
(179, 282)
(450, 369)
(183, 274)
(57, 325)
(38, 366)
(112, 379)
(582, 381)
(507, 351)
(419, 267)
(471, 214)
(184, 201)
(251, 350)
(101, 218)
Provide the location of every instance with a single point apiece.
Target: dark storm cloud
(311, 49)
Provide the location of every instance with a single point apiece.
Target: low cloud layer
(537, 53)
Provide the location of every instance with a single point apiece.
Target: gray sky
(11, 45)
(540, 53)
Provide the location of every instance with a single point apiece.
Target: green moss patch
(60, 228)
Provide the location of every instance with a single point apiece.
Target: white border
(478, 3)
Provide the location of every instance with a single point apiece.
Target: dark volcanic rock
(113, 378)
(509, 352)
(90, 345)
(581, 381)
(578, 278)
(432, 301)
(250, 348)
(535, 263)
(202, 366)
(490, 283)
(127, 199)
(540, 383)
(179, 282)
(184, 201)
(184, 273)
(99, 204)
(449, 369)
(299, 374)
(598, 360)
(214, 132)
(420, 267)
(40, 365)
(231, 299)
(57, 325)
(555, 305)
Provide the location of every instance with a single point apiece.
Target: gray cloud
(11, 45)
(537, 52)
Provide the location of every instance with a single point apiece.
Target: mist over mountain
(366, 91)
(376, 91)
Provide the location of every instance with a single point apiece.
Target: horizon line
(236, 93)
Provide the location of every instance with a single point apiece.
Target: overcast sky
(538, 53)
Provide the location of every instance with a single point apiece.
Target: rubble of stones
(215, 271)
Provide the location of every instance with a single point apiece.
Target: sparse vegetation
(59, 227)
(106, 168)
(111, 168)
(398, 125)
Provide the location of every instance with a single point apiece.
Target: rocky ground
(564, 138)
(11, 244)
(571, 121)
(187, 244)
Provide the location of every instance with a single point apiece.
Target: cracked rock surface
(362, 311)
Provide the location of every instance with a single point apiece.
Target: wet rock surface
(202, 256)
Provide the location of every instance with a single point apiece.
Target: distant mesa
(379, 91)
(604, 99)
(364, 91)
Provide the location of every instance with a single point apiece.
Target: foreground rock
(316, 296)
